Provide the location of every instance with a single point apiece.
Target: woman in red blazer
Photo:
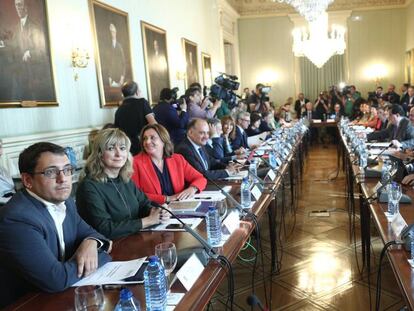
(162, 175)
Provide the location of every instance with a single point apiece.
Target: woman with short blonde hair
(106, 197)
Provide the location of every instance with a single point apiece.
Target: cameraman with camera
(199, 107)
(259, 101)
(351, 96)
(172, 114)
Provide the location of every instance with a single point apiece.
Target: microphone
(253, 301)
(210, 251)
(382, 151)
(375, 195)
(262, 182)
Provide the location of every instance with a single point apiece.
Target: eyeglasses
(53, 172)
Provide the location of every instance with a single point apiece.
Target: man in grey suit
(400, 132)
(44, 244)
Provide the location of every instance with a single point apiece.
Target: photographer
(198, 107)
(259, 101)
(322, 106)
(351, 95)
(172, 114)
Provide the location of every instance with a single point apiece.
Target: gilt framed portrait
(154, 41)
(112, 51)
(409, 66)
(207, 73)
(26, 70)
(190, 52)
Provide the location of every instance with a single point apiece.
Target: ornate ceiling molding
(248, 8)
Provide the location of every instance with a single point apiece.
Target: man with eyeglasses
(240, 141)
(44, 244)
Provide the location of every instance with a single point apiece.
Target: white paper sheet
(256, 140)
(238, 176)
(112, 273)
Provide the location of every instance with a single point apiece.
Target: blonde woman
(107, 198)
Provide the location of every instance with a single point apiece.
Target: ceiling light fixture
(317, 43)
(309, 9)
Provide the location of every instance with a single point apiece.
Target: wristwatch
(167, 199)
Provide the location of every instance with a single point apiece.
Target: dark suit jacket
(298, 107)
(29, 247)
(240, 140)
(182, 175)
(176, 124)
(405, 134)
(215, 168)
(217, 150)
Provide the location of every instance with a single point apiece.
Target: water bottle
(127, 301)
(245, 192)
(272, 159)
(363, 162)
(412, 245)
(213, 224)
(155, 285)
(391, 207)
(253, 169)
(385, 172)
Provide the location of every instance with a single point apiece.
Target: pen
(202, 198)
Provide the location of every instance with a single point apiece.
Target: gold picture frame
(207, 71)
(154, 40)
(191, 61)
(409, 66)
(112, 51)
(26, 68)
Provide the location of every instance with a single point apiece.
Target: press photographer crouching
(172, 114)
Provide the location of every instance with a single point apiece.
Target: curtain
(315, 80)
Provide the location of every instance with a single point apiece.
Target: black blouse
(165, 180)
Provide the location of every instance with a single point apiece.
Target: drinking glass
(395, 196)
(89, 298)
(167, 253)
(222, 208)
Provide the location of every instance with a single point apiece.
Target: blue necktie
(203, 158)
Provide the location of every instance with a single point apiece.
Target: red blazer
(182, 175)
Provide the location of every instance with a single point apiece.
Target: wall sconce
(80, 59)
(376, 72)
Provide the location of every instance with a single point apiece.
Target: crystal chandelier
(317, 44)
(309, 9)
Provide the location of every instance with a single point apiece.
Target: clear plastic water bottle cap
(153, 259)
(211, 208)
(245, 179)
(125, 294)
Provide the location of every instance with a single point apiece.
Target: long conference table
(372, 210)
(143, 244)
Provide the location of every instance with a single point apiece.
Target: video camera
(224, 88)
(346, 90)
(176, 102)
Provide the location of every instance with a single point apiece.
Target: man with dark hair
(392, 96)
(133, 114)
(407, 101)
(256, 102)
(199, 107)
(400, 132)
(44, 244)
(172, 115)
(194, 151)
(404, 95)
(300, 105)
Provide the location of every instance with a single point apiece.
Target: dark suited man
(408, 100)
(133, 114)
(115, 61)
(173, 116)
(400, 131)
(404, 95)
(44, 244)
(32, 78)
(194, 151)
(393, 97)
(239, 142)
(300, 105)
(309, 114)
